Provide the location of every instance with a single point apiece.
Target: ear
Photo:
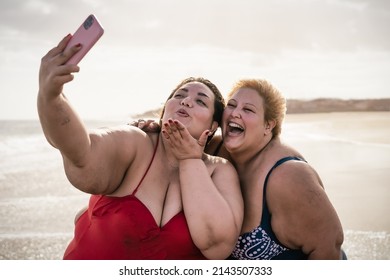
(214, 127)
(269, 126)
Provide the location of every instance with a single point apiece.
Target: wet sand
(350, 151)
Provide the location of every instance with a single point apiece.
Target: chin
(229, 143)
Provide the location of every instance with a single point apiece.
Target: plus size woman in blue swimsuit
(287, 214)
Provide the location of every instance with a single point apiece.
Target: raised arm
(60, 123)
(211, 195)
(92, 160)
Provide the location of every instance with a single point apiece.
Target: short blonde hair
(273, 101)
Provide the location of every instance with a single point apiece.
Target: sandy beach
(350, 151)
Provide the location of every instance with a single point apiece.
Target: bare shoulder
(113, 150)
(298, 174)
(221, 170)
(302, 212)
(115, 131)
(295, 183)
(118, 137)
(217, 161)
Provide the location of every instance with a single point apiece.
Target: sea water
(38, 204)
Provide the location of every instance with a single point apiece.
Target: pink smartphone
(87, 35)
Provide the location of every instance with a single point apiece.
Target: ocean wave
(27, 153)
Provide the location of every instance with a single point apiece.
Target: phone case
(87, 35)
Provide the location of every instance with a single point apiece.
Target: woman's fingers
(183, 145)
(203, 138)
(60, 54)
(175, 129)
(53, 74)
(60, 47)
(65, 55)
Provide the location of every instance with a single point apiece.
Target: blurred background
(334, 50)
(307, 48)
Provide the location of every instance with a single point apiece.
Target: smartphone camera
(88, 22)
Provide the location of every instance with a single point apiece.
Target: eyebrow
(247, 103)
(199, 93)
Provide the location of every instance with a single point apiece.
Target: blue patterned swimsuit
(261, 243)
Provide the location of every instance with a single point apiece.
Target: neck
(244, 159)
(170, 159)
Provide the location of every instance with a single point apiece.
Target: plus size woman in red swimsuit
(150, 200)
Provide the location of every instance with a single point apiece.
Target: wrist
(191, 160)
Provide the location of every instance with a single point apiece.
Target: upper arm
(212, 203)
(106, 162)
(226, 180)
(302, 215)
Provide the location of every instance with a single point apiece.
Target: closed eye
(248, 110)
(201, 102)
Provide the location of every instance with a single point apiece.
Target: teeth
(234, 125)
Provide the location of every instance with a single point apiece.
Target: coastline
(349, 151)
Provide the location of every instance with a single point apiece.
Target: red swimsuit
(123, 228)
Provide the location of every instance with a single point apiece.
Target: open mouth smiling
(234, 128)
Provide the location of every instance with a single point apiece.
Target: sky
(307, 48)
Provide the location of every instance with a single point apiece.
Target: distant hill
(323, 105)
(151, 114)
(320, 105)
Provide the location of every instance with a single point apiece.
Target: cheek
(205, 113)
(255, 126)
(204, 119)
(168, 109)
(225, 114)
(251, 122)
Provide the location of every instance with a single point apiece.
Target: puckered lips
(234, 129)
(182, 113)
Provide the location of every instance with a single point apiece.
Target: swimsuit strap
(266, 215)
(93, 200)
(279, 162)
(150, 164)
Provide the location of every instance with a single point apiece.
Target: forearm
(209, 216)
(63, 128)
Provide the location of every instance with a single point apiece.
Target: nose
(186, 102)
(236, 113)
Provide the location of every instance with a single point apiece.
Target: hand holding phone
(87, 35)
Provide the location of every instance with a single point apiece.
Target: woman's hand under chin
(183, 145)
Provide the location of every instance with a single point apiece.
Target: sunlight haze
(308, 49)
